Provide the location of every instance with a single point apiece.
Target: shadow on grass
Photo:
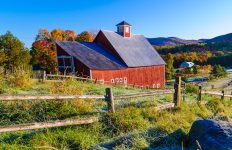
(155, 139)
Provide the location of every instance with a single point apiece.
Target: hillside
(162, 41)
(222, 38)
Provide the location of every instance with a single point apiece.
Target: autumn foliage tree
(43, 50)
(70, 35)
(85, 37)
(57, 34)
(43, 55)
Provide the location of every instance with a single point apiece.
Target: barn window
(154, 86)
(101, 81)
(125, 80)
(158, 86)
(116, 80)
(121, 80)
(112, 80)
(127, 29)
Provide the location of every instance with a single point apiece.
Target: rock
(211, 135)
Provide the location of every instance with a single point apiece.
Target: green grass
(135, 125)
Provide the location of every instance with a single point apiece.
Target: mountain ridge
(169, 41)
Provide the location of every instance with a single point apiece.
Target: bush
(218, 71)
(20, 79)
(191, 88)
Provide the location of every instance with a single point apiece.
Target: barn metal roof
(92, 55)
(135, 51)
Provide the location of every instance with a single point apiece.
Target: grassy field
(135, 125)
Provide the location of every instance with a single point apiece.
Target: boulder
(211, 135)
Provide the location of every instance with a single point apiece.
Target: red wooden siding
(151, 76)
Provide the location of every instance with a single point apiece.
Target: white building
(187, 64)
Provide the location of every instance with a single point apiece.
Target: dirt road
(224, 83)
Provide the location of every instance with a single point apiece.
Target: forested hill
(170, 41)
(162, 41)
(222, 38)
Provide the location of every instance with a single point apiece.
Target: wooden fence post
(212, 86)
(231, 97)
(223, 96)
(177, 94)
(44, 76)
(110, 99)
(199, 98)
(184, 91)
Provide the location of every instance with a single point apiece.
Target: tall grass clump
(20, 76)
(69, 86)
(220, 110)
(39, 111)
(126, 120)
(191, 88)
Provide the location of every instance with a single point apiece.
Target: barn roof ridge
(135, 51)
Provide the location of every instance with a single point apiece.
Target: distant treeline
(222, 60)
(201, 54)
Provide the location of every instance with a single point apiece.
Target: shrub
(218, 71)
(191, 88)
(20, 79)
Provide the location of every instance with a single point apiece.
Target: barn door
(65, 64)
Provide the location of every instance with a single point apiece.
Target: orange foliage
(57, 34)
(70, 35)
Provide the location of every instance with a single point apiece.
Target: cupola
(124, 29)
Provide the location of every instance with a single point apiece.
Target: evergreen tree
(169, 69)
(218, 71)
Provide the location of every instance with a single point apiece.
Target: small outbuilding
(187, 64)
(113, 58)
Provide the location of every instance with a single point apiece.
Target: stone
(211, 135)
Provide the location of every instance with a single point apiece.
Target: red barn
(113, 57)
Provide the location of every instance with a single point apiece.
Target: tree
(15, 54)
(57, 34)
(195, 69)
(169, 69)
(70, 35)
(85, 37)
(43, 55)
(43, 35)
(218, 71)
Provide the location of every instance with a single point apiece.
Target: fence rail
(4, 97)
(222, 94)
(50, 124)
(216, 93)
(142, 94)
(165, 106)
(108, 97)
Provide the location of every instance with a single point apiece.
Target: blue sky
(188, 19)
